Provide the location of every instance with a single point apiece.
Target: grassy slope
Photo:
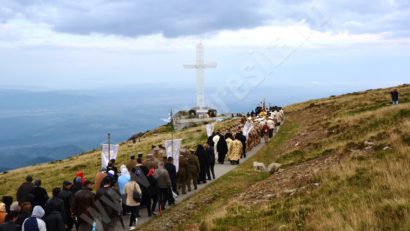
(331, 180)
(346, 167)
(53, 174)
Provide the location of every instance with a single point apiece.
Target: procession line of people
(151, 182)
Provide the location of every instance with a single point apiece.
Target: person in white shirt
(271, 125)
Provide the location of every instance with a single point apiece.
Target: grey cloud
(172, 19)
(369, 16)
(194, 17)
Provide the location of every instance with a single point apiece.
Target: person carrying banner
(172, 172)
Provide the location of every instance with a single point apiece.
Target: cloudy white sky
(65, 44)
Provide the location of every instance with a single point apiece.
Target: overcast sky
(83, 44)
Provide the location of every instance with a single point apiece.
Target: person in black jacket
(172, 171)
(222, 148)
(40, 195)
(210, 141)
(24, 190)
(10, 223)
(203, 163)
(152, 193)
(394, 96)
(83, 203)
(25, 212)
(228, 134)
(210, 158)
(7, 200)
(239, 136)
(55, 212)
(109, 198)
(66, 195)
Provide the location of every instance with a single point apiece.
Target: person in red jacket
(265, 131)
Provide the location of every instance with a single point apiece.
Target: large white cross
(200, 65)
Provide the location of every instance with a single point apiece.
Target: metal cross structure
(200, 65)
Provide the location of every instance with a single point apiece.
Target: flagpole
(109, 144)
(172, 133)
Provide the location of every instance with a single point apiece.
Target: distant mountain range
(20, 157)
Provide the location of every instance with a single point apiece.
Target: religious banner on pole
(172, 148)
(247, 129)
(210, 129)
(104, 153)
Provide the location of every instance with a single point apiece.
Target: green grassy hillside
(345, 167)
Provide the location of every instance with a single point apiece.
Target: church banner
(210, 129)
(247, 129)
(104, 153)
(172, 148)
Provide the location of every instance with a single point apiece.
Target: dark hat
(67, 183)
(29, 178)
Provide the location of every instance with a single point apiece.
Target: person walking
(235, 152)
(24, 190)
(203, 163)
(99, 177)
(109, 197)
(83, 202)
(151, 193)
(55, 212)
(222, 148)
(123, 179)
(239, 136)
(40, 195)
(132, 163)
(7, 200)
(210, 158)
(35, 223)
(193, 170)
(10, 223)
(3, 213)
(132, 203)
(66, 195)
(172, 172)
(25, 212)
(265, 132)
(164, 185)
(395, 97)
(182, 174)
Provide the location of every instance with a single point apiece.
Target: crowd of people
(149, 182)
